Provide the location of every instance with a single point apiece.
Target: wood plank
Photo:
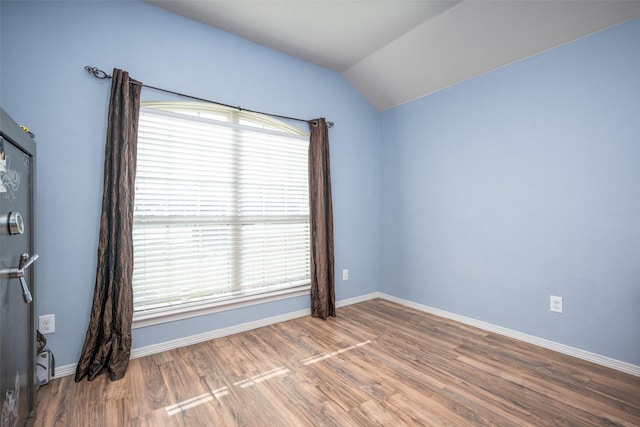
(377, 363)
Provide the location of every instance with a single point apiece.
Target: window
(221, 209)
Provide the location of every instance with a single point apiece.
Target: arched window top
(224, 114)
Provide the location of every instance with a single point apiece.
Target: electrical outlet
(345, 274)
(555, 304)
(47, 324)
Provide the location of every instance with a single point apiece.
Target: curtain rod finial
(315, 123)
(97, 73)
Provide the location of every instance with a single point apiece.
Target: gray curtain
(323, 296)
(107, 344)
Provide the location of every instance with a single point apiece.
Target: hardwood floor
(377, 363)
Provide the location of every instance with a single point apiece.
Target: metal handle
(18, 273)
(26, 294)
(25, 263)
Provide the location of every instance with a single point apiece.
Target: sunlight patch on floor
(262, 377)
(316, 359)
(256, 379)
(196, 401)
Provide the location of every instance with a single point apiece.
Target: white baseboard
(541, 342)
(218, 333)
(629, 368)
(65, 370)
(355, 300)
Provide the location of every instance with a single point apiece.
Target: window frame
(226, 302)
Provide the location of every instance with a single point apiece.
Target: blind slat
(220, 209)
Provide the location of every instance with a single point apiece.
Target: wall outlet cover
(47, 324)
(555, 304)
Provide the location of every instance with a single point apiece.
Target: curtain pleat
(323, 298)
(107, 344)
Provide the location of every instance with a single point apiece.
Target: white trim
(143, 320)
(232, 113)
(243, 327)
(62, 371)
(65, 370)
(218, 333)
(608, 362)
(531, 339)
(355, 300)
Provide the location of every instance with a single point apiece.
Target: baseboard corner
(599, 359)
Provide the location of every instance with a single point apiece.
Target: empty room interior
(305, 213)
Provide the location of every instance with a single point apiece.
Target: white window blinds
(221, 211)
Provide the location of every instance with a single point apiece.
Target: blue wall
(521, 184)
(482, 199)
(44, 48)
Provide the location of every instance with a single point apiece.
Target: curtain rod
(98, 73)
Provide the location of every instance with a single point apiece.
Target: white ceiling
(394, 51)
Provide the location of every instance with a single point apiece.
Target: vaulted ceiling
(394, 51)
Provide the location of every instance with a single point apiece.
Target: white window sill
(142, 320)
